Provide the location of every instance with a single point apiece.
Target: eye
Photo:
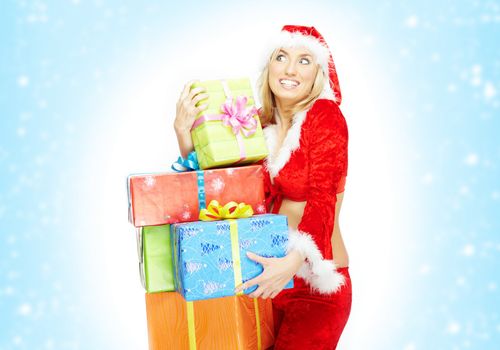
(304, 61)
(280, 58)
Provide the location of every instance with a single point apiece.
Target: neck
(284, 112)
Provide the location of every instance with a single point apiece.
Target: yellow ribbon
(257, 323)
(231, 210)
(191, 328)
(235, 252)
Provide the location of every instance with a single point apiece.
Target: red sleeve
(327, 148)
(326, 139)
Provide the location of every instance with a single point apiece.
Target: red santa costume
(311, 166)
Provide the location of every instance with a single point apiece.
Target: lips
(289, 83)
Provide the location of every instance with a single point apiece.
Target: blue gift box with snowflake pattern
(204, 258)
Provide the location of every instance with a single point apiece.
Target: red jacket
(311, 166)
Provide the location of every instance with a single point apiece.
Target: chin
(287, 96)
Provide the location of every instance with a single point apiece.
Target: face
(292, 72)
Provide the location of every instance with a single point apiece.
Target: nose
(290, 68)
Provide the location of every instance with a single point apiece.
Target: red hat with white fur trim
(311, 39)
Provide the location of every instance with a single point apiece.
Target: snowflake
(186, 215)
(412, 21)
(217, 185)
(468, 250)
(424, 269)
(410, 346)
(427, 179)
(453, 327)
(25, 309)
(471, 159)
(23, 81)
(230, 171)
(261, 208)
(149, 181)
(489, 90)
(463, 190)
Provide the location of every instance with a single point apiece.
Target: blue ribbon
(202, 201)
(188, 164)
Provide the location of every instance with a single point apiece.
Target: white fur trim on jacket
(319, 273)
(277, 158)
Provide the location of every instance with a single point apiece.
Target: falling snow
(419, 78)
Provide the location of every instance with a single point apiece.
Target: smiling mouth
(289, 84)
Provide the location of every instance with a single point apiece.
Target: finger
(200, 108)
(247, 284)
(266, 294)
(256, 293)
(274, 294)
(199, 97)
(186, 89)
(257, 258)
(195, 92)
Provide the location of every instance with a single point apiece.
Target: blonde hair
(268, 100)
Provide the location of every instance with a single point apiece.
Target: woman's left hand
(277, 273)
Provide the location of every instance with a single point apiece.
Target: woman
(305, 176)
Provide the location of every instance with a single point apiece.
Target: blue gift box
(208, 260)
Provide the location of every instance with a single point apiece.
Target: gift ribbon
(238, 116)
(200, 182)
(231, 210)
(188, 164)
(257, 323)
(235, 252)
(192, 328)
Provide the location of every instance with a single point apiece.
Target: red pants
(305, 320)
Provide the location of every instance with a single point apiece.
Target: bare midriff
(294, 211)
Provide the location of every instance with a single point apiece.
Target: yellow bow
(231, 210)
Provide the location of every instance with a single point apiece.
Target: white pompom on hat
(311, 39)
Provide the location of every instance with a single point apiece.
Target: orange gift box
(167, 198)
(229, 323)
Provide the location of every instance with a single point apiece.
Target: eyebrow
(302, 54)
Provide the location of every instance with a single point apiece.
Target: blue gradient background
(87, 94)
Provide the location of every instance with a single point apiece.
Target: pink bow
(239, 117)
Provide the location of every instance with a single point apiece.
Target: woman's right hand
(186, 114)
(186, 106)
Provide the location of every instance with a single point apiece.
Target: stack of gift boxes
(190, 267)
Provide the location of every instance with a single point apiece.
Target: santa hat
(311, 39)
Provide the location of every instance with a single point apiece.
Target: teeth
(289, 82)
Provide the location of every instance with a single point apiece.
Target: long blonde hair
(267, 115)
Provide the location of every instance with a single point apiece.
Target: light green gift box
(215, 144)
(157, 256)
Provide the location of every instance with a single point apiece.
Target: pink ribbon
(238, 117)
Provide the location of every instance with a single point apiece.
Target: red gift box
(167, 198)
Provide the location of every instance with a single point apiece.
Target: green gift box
(228, 132)
(157, 259)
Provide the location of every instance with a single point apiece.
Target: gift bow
(188, 164)
(231, 210)
(239, 117)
